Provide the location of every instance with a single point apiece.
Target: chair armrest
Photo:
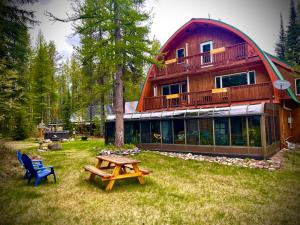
(36, 161)
(46, 167)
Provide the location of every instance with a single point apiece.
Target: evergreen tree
(14, 52)
(42, 73)
(293, 37)
(280, 45)
(120, 27)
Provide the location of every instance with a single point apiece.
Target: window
(206, 131)
(145, 132)
(205, 48)
(237, 79)
(110, 132)
(180, 55)
(167, 131)
(297, 86)
(238, 131)
(179, 134)
(132, 132)
(254, 131)
(174, 89)
(155, 132)
(222, 131)
(192, 132)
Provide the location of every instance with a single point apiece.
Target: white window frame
(297, 94)
(226, 75)
(180, 57)
(201, 51)
(169, 85)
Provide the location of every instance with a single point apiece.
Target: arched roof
(272, 70)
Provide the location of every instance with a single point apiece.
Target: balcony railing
(226, 56)
(227, 96)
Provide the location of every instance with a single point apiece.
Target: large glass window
(110, 132)
(235, 79)
(179, 134)
(132, 132)
(206, 131)
(155, 132)
(173, 89)
(167, 131)
(254, 131)
(145, 132)
(239, 131)
(192, 132)
(222, 131)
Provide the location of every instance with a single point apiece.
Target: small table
(120, 166)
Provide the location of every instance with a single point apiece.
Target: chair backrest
(19, 156)
(28, 165)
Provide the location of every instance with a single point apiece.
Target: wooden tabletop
(116, 159)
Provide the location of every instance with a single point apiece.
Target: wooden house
(214, 95)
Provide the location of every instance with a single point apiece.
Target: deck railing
(193, 99)
(194, 63)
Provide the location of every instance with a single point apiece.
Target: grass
(177, 192)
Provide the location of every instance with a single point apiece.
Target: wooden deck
(261, 91)
(203, 61)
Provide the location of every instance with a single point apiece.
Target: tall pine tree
(293, 37)
(280, 48)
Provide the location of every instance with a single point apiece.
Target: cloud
(45, 2)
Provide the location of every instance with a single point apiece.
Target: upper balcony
(227, 96)
(225, 56)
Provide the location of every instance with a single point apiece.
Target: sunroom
(239, 130)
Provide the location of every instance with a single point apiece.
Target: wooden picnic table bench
(119, 165)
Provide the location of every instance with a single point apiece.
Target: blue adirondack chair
(38, 173)
(36, 163)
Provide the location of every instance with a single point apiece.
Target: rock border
(274, 163)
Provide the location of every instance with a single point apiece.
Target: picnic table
(122, 168)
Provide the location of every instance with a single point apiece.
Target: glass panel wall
(206, 131)
(254, 131)
(192, 132)
(238, 131)
(132, 132)
(179, 133)
(110, 132)
(269, 129)
(155, 131)
(222, 131)
(167, 131)
(145, 132)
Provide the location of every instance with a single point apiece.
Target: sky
(259, 19)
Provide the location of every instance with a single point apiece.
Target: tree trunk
(118, 101)
(119, 135)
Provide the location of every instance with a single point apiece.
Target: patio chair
(38, 173)
(36, 163)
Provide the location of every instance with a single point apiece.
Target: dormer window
(180, 55)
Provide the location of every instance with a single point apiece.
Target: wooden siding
(207, 81)
(200, 34)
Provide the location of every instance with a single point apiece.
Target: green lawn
(177, 192)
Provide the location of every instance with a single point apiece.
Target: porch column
(188, 88)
